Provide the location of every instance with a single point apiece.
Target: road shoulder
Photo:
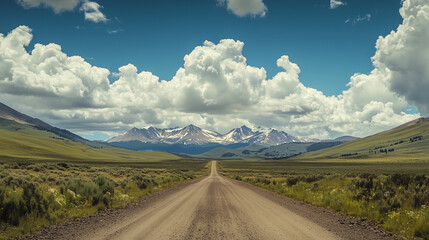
(346, 227)
(81, 228)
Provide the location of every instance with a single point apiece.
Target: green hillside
(10, 125)
(409, 141)
(266, 152)
(11, 119)
(24, 142)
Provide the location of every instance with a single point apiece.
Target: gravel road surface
(215, 207)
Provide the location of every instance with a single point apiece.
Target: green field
(394, 194)
(33, 195)
(45, 178)
(382, 178)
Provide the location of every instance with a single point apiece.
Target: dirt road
(218, 208)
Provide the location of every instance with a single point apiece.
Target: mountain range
(193, 135)
(188, 140)
(26, 138)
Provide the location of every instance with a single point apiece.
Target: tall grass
(398, 202)
(36, 195)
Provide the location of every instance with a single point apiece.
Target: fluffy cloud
(216, 79)
(243, 8)
(92, 12)
(217, 89)
(57, 5)
(91, 9)
(48, 73)
(336, 3)
(404, 53)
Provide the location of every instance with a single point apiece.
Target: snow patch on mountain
(192, 134)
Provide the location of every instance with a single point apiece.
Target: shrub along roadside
(36, 195)
(398, 202)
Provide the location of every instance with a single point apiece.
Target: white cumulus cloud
(57, 5)
(47, 73)
(92, 11)
(243, 8)
(217, 89)
(336, 3)
(404, 53)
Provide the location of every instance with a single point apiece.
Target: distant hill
(343, 139)
(273, 152)
(412, 123)
(23, 138)
(19, 146)
(408, 141)
(8, 113)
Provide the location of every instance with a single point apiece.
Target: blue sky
(313, 68)
(155, 35)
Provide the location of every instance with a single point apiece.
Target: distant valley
(237, 143)
(284, 150)
(23, 134)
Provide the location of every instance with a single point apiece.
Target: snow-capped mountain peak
(238, 134)
(192, 134)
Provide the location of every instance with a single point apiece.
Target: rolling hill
(274, 152)
(408, 141)
(23, 138)
(8, 113)
(17, 146)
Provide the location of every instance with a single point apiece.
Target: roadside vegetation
(394, 195)
(33, 195)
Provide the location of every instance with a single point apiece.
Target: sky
(314, 68)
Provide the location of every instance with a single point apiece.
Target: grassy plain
(46, 179)
(33, 195)
(395, 194)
